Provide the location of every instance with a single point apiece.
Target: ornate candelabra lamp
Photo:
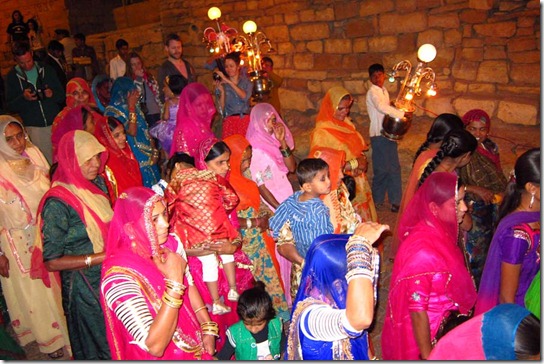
(218, 42)
(411, 86)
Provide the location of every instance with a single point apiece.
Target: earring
(532, 200)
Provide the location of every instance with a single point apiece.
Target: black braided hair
(442, 125)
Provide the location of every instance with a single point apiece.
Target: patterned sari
(342, 135)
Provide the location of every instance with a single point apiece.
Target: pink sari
(191, 128)
(131, 242)
(429, 273)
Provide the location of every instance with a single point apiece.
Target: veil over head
(191, 128)
(73, 85)
(260, 138)
(204, 148)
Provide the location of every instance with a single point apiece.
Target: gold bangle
(236, 241)
(210, 328)
(132, 118)
(171, 301)
(88, 261)
(201, 308)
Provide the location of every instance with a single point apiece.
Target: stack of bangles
(360, 258)
(155, 153)
(210, 328)
(175, 287)
(287, 152)
(132, 117)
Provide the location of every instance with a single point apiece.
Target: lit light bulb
(249, 27)
(242, 62)
(216, 49)
(426, 53)
(409, 96)
(431, 92)
(214, 13)
(391, 79)
(211, 50)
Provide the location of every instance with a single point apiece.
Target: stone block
(341, 46)
(315, 46)
(407, 43)
(519, 44)
(291, 18)
(403, 23)
(503, 29)
(307, 15)
(360, 28)
(472, 54)
(526, 22)
(493, 71)
(481, 4)
(465, 70)
(452, 37)
(463, 104)
(524, 57)
(285, 47)
(518, 113)
(482, 88)
(375, 7)
(520, 90)
(447, 21)
(303, 61)
(312, 31)
(439, 105)
(460, 87)
(314, 86)
(297, 84)
(473, 16)
(326, 61)
(509, 6)
(277, 33)
(295, 100)
(494, 52)
(355, 87)
(528, 74)
(326, 14)
(382, 44)
(345, 10)
(525, 31)
(308, 75)
(360, 45)
(473, 42)
(406, 6)
(433, 36)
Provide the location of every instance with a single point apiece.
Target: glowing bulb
(391, 79)
(216, 49)
(426, 53)
(241, 62)
(431, 92)
(211, 50)
(409, 96)
(249, 27)
(214, 13)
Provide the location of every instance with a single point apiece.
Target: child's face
(321, 183)
(255, 325)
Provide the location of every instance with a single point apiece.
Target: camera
(40, 93)
(216, 76)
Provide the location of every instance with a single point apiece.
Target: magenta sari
(191, 128)
(131, 242)
(429, 273)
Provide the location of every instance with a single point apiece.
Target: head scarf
(487, 148)
(71, 119)
(333, 133)
(323, 279)
(202, 152)
(72, 85)
(477, 115)
(94, 87)
(260, 138)
(245, 188)
(122, 162)
(190, 128)
(119, 91)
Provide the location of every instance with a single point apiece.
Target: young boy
(303, 216)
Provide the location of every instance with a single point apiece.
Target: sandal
(56, 354)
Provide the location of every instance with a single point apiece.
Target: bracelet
(248, 223)
(88, 261)
(236, 241)
(171, 301)
(210, 328)
(174, 286)
(354, 163)
(132, 117)
(201, 308)
(286, 153)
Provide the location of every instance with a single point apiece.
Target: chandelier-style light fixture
(251, 46)
(411, 86)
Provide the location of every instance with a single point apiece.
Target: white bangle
(88, 261)
(248, 223)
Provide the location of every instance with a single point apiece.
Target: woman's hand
(170, 264)
(262, 223)
(370, 230)
(279, 132)
(222, 246)
(482, 192)
(4, 266)
(132, 99)
(208, 341)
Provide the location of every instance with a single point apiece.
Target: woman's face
(89, 169)
(479, 130)
(232, 68)
(89, 125)
(220, 165)
(104, 90)
(271, 123)
(342, 111)
(460, 205)
(80, 96)
(246, 159)
(159, 217)
(200, 106)
(136, 64)
(120, 136)
(15, 137)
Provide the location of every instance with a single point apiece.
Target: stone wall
(488, 50)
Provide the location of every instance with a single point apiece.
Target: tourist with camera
(34, 91)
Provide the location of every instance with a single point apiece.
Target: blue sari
(140, 144)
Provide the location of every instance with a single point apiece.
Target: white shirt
(377, 105)
(118, 67)
(69, 44)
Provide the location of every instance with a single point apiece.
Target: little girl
(201, 201)
(259, 333)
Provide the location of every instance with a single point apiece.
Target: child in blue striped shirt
(303, 216)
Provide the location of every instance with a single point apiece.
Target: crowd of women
(142, 237)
